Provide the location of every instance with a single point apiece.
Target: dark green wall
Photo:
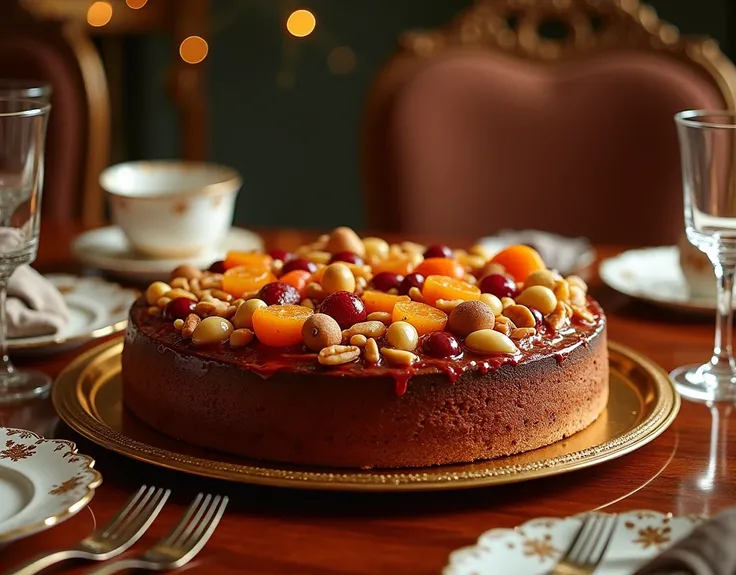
(297, 146)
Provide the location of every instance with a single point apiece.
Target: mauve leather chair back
(61, 56)
(477, 140)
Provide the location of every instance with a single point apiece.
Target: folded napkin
(34, 307)
(708, 550)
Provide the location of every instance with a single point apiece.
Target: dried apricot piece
(254, 259)
(441, 267)
(381, 301)
(423, 317)
(443, 287)
(401, 265)
(298, 279)
(280, 325)
(519, 260)
(240, 280)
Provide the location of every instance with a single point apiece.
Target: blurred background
(281, 106)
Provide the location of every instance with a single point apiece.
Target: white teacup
(172, 209)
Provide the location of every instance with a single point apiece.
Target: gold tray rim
(68, 403)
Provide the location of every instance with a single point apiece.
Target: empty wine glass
(708, 152)
(22, 139)
(24, 89)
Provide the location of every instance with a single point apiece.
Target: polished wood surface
(277, 531)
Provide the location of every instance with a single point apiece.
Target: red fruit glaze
(349, 257)
(178, 308)
(441, 344)
(385, 281)
(498, 285)
(411, 280)
(344, 307)
(438, 251)
(298, 264)
(278, 293)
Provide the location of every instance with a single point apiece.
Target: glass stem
(6, 366)
(722, 361)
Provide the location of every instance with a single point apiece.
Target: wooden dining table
(278, 531)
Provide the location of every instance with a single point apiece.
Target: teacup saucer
(108, 249)
(654, 275)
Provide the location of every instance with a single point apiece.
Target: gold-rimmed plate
(642, 404)
(42, 482)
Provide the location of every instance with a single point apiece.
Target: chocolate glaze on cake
(282, 405)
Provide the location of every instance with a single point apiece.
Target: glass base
(22, 385)
(697, 382)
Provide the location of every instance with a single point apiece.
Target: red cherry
(178, 308)
(278, 293)
(218, 267)
(344, 307)
(349, 257)
(438, 251)
(385, 281)
(498, 285)
(282, 255)
(299, 264)
(412, 280)
(441, 344)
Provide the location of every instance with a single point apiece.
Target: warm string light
(99, 13)
(301, 23)
(136, 4)
(193, 49)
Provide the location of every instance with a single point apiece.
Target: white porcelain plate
(42, 482)
(535, 547)
(96, 308)
(107, 249)
(653, 275)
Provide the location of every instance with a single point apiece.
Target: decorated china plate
(96, 308)
(42, 482)
(535, 547)
(654, 275)
(108, 249)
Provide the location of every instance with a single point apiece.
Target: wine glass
(22, 138)
(708, 152)
(24, 89)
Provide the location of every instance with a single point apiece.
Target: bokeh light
(193, 49)
(341, 60)
(301, 23)
(136, 4)
(99, 14)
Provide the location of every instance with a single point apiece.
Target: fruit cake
(353, 352)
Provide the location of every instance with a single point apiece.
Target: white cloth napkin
(34, 306)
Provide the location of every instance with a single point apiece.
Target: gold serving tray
(641, 405)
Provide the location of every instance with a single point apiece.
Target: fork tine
(203, 534)
(581, 537)
(123, 514)
(145, 516)
(195, 520)
(197, 533)
(588, 545)
(179, 527)
(601, 544)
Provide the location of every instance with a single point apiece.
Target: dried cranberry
(282, 255)
(344, 307)
(498, 285)
(349, 257)
(441, 344)
(279, 293)
(299, 264)
(385, 281)
(218, 267)
(438, 251)
(178, 308)
(412, 280)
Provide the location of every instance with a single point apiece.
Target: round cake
(355, 353)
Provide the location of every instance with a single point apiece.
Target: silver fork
(180, 546)
(589, 546)
(112, 539)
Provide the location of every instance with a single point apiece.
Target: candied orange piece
(423, 317)
(441, 267)
(243, 279)
(297, 278)
(254, 259)
(381, 301)
(401, 265)
(519, 260)
(280, 325)
(443, 287)
(317, 276)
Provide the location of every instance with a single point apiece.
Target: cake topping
(391, 304)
